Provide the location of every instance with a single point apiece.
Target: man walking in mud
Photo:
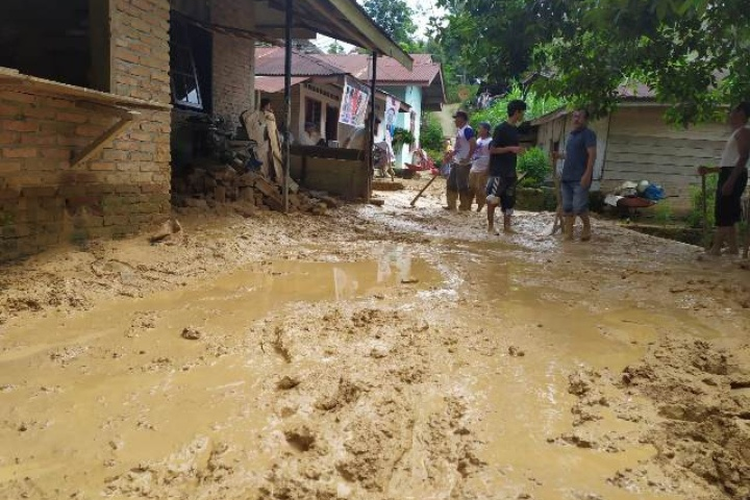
(504, 151)
(577, 173)
(460, 160)
(732, 180)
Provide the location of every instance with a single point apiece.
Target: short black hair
(485, 125)
(584, 112)
(462, 114)
(744, 106)
(516, 105)
(264, 102)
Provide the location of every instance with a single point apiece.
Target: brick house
(91, 91)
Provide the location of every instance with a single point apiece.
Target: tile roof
(423, 72)
(269, 61)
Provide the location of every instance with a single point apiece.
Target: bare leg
(586, 232)
(507, 228)
(568, 224)
(732, 241)
(491, 218)
(719, 238)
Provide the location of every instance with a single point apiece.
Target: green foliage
(692, 54)
(436, 155)
(402, 136)
(394, 17)
(431, 133)
(498, 112)
(663, 213)
(536, 165)
(335, 48)
(695, 217)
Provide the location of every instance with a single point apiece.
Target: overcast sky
(423, 10)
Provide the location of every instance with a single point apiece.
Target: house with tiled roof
(421, 87)
(318, 83)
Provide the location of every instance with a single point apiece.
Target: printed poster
(392, 106)
(354, 103)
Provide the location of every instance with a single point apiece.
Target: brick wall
(233, 60)
(123, 188)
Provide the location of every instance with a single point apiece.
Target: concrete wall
(411, 95)
(123, 188)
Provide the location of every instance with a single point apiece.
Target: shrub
(536, 165)
(498, 111)
(402, 136)
(431, 134)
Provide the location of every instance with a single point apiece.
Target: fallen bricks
(212, 184)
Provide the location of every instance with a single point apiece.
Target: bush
(536, 165)
(695, 217)
(431, 134)
(498, 111)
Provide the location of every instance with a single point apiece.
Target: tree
(335, 48)
(693, 54)
(394, 17)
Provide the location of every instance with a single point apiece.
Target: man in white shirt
(460, 160)
(310, 136)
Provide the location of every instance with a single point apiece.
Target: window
(185, 88)
(313, 111)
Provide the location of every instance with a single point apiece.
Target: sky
(424, 9)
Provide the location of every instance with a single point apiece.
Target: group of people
(483, 169)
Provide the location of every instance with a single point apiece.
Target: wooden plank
(651, 168)
(657, 144)
(102, 141)
(651, 159)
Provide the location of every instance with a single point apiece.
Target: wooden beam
(103, 140)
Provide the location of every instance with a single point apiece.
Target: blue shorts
(575, 198)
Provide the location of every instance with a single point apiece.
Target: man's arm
(743, 147)
(590, 160)
(472, 148)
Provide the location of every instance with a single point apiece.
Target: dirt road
(375, 353)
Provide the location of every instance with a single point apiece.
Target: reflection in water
(393, 267)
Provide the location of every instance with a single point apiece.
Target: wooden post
(371, 139)
(287, 102)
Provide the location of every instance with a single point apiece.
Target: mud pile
(701, 394)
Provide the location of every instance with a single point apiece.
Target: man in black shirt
(504, 151)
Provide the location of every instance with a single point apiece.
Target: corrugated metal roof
(274, 84)
(423, 72)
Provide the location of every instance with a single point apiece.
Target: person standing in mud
(504, 151)
(460, 161)
(577, 173)
(732, 180)
(480, 166)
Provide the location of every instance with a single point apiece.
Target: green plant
(663, 213)
(402, 136)
(536, 166)
(498, 112)
(695, 217)
(431, 135)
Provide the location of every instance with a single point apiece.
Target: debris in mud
(516, 352)
(409, 281)
(301, 439)
(190, 333)
(166, 232)
(287, 383)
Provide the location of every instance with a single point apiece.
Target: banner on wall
(392, 106)
(354, 103)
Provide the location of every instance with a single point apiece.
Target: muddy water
(446, 375)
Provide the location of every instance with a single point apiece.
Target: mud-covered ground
(375, 353)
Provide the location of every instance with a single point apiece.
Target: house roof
(423, 71)
(343, 20)
(270, 61)
(274, 84)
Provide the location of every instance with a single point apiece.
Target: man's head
(265, 104)
(461, 118)
(516, 110)
(310, 127)
(739, 115)
(484, 129)
(580, 118)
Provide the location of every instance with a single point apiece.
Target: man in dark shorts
(732, 180)
(504, 151)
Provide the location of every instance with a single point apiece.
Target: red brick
(21, 126)
(71, 117)
(18, 97)
(89, 130)
(54, 153)
(7, 167)
(57, 103)
(97, 166)
(20, 152)
(39, 139)
(9, 138)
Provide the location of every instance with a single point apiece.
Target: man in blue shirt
(578, 170)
